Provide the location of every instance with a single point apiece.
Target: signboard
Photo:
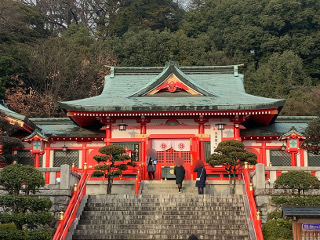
(311, 227)
(136, 152)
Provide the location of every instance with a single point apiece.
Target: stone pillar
(65, 174)
(260, 181)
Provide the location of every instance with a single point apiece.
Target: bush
(25, 235)
(18, 177)
(277, 229)
(297, 181)
(297, 201)
(274, 215)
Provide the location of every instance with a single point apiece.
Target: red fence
(69, 215)
(254, 214)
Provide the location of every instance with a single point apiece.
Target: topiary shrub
(277, 229)
(18, 177)
(114, 160)
(24, 217)
(297, 181)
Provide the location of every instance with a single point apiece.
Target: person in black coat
(202, 176)
(180, 172)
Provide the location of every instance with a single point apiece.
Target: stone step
(172, 236)
(164, 198)
(120, 215)
(172, 221)
(181, 213)
(234, 232)
(139, 207)
(156, 226)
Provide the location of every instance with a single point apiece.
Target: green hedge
(25, 235)
(21, 203)
(277, 229)
(297, 201)
(33, 220)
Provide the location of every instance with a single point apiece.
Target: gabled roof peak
(171, 78)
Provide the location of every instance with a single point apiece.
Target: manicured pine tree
(114, 160)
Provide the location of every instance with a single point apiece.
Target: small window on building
(133, 149)
(313, 160)
(66, 157)
(26, 158)
(280, 158)
(207, 149)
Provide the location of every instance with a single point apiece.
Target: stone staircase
(163, 214)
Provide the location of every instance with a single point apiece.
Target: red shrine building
(173, 112)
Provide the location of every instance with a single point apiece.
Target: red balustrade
(254, 214)
(69, 215)
(138, 180)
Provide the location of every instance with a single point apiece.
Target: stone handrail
(67, 177)
(260, 181)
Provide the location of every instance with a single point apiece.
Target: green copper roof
(64, 127)
(282, 125)
(17, 116)
(34, 133)
(221, 88)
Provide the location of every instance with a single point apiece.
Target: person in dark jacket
(180, 172)
(201, 176)
(151, 167)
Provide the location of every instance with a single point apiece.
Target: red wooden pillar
(201, 121)
(237, 132)
(84, 155)
(37, 160)
(301, 157)
(143, 130)
(293, 159)
(108, 126)
(47, 161)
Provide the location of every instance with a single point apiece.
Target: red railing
(138, 180)
(254, 214)
(69, 215)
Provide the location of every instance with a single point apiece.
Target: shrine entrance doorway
(168, 152)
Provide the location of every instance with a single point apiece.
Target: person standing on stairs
(201, 176)
(151, 167)
(179, 171)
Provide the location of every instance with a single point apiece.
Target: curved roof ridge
(160, 78)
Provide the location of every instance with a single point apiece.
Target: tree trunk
(230, 182)
(110, 182)
(234, 183)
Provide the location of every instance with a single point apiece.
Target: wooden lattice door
(168, 157)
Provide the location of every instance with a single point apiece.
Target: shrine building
(174, 111)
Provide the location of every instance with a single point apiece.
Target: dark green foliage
(274, 215)
(22, 204)
(297, 181)
(18, 177)
(25, 212)
(30, 219)
(25, 235)
(312, 133)
(231, 154)
(297, 201)
(114, 160)
(145, 14)
(7, 141)
(280, 229)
